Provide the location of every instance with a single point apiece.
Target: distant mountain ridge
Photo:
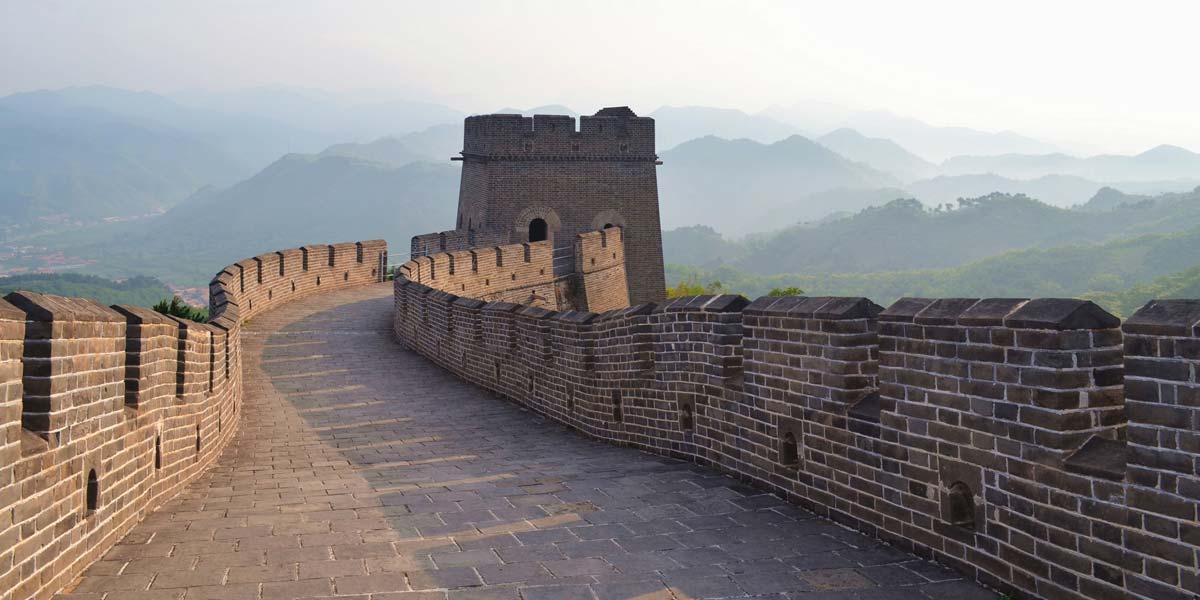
(882, 154)
(294, 201)
(88, 153)
(435, 144)
(728, 183)
(1157, 164)
(1120, 274)
(60, 159)
(932, 143)
(675, 125)
(904, 234)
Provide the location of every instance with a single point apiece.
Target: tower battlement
(611, 134)
(553, 177)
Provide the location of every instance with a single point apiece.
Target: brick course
(143, 401)
(991, 435)
(516, 169)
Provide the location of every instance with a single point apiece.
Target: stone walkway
(362, 471)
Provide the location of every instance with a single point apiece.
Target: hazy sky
(1116, 76)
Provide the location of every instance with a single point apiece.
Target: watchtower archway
(538, 230)
(607, 219)
(536, 224)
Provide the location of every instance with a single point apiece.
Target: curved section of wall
(107, 412)
(592, 276)
(992, 435)
(257, 284)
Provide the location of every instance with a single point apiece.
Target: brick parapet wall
(518, 171)
(268, 280)
(988, 434)
(463, 238)
(1162, 395)
(144, 401)
(600, 266)
(524, 273)
(514, 137)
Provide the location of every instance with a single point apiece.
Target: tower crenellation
(561, 137)
(552, 178)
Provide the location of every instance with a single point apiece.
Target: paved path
(362, 471)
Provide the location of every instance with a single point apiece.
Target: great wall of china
(110, 411)
(1040, 446)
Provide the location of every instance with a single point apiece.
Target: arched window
(608, 226)
(538, 231)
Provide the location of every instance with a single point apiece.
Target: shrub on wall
(176, 307)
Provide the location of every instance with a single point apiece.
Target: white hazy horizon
(1088, 77)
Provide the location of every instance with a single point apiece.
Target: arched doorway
(538, 230)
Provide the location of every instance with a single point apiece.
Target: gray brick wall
(1028, 443)
(143, 401)
(519, 168)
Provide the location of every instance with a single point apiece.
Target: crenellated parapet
(107, 412)
(552, 178)
(1039, 446)
(592, 275)
(262, 282)
(612, 134)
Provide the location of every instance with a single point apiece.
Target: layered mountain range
(834, 196)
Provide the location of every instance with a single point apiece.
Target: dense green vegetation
(1184, 284)
(1120, 274)
(137, 291)
(298, 200)
(176, 307)
(905, 235)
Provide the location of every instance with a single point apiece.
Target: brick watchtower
(538, 178)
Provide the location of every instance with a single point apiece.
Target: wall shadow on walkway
(438, 484)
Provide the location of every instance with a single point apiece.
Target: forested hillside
(904, 234)
(66, 162)
(1123, 273)
(138, 291)
(730, 184)
(298, 200)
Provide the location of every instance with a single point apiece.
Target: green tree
(790, 290)
(176, 307)
(691, 286)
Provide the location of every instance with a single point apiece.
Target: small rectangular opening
(212, 361)
(181, 361)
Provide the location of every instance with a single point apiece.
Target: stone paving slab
(361, 471)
